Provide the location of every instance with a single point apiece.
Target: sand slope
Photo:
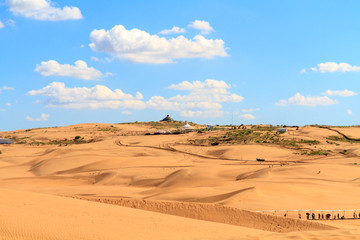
(174, 177)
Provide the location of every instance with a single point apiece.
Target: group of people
(327, 216)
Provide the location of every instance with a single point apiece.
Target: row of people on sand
(326, 216)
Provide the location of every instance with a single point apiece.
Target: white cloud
(43, 10)
(82, 45)
(174, 30)
(310, 101)
(87, 98)
(126, 112)
(250, 110)
(344, 93)
(349, 112)
(44, 117)
(203, 26)
(141, 47)
(5, 88)
(79, 70)
(1, 24)
(335, 67)
(303, 71)
(202, 114)
(247, 116)
(8, 104)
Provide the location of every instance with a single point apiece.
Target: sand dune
(167, 174)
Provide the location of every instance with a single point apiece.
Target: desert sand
(115, 182)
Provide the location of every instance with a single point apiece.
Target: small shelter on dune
(167, 119)
(6, 141)
(187, 127)
(281, 130)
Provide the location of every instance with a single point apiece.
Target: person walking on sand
(299, 215)
(319, 216)
(313, 216)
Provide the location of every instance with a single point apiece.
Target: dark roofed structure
(167, 119)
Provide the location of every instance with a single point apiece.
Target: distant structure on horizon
(6, 141)
(167, 119)
(281, 130)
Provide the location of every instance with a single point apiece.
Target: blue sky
(213, 62)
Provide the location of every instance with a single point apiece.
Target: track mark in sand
(342, 134)
(219, 197)
(215, 213)
(171, 149)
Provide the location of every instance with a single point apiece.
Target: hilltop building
(167, 119)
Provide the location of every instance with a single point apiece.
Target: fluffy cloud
(201, 114)
(43, 10)
(300, 100)
(349, 112)
(141, 47)
(79, 70)
(174, 30)
(247, 116)
(44, 117)
(330, 67)
(344, 93)
(87, 98)
(5, 88)
(203, 26)
(1, 24)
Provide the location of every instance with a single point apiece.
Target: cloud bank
(202, 99)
